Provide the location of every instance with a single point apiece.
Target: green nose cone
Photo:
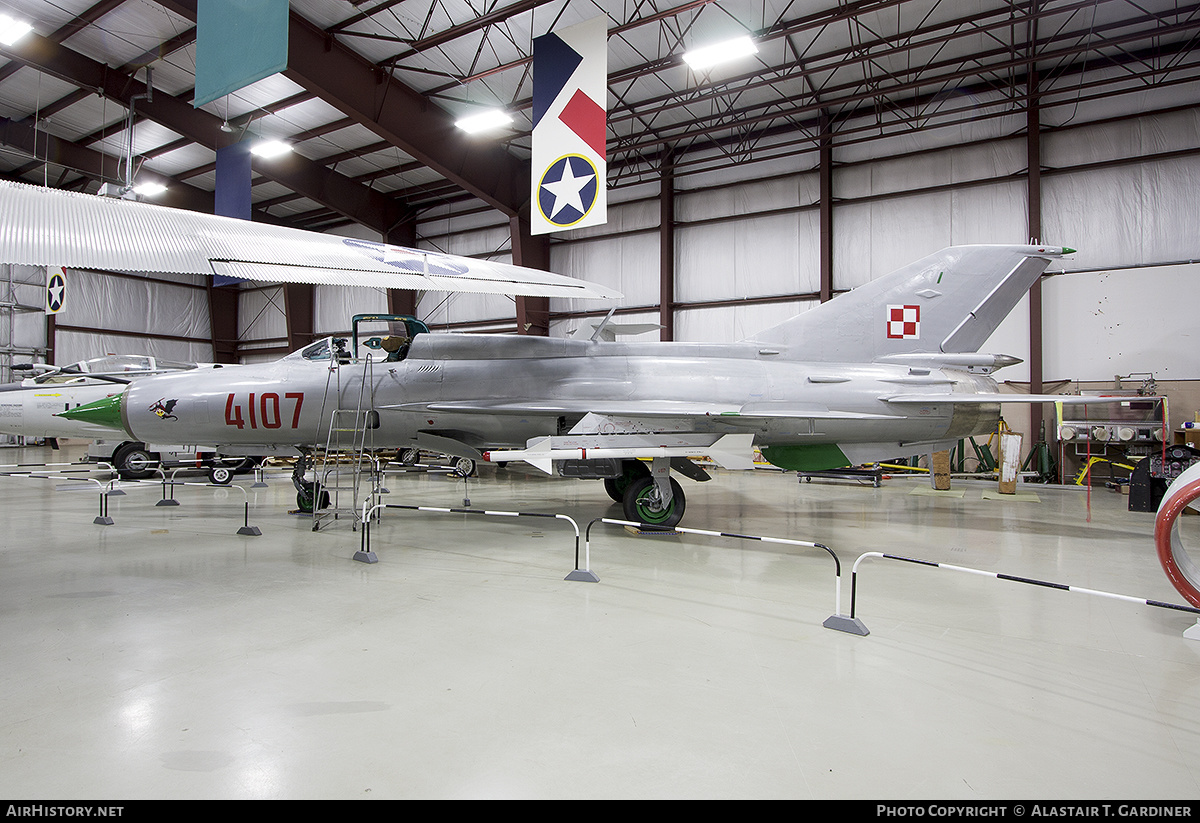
(106, 412)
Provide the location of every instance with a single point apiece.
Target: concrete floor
(166, 656)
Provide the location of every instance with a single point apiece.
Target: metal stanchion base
(366, 557)
(850, 625)
(170, 501)
(103, 521)
(250, 530)
(584, 576)
(1193, 632)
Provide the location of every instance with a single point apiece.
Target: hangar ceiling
(373, 88)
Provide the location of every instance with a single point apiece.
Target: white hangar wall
(164, 316)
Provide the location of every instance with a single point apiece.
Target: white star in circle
(56, 292)
(567, 190)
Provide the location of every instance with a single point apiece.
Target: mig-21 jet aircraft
(890, 368)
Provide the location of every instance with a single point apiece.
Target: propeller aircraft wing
(50, 227)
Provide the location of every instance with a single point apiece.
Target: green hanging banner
(238, 42)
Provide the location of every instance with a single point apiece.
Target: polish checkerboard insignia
(904, 322)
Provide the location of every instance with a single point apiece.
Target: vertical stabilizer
(949, 302)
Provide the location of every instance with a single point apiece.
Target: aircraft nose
(106, 412)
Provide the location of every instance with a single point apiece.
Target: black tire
(304, 501)
(133, 462)
(220, 475)
(640, 507)
(633, 470)
(464, 467)
(408, 457)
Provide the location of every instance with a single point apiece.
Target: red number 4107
(262, 411)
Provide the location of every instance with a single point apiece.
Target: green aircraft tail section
(817, 457)
(106, 412)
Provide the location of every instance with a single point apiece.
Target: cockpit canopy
(116, 365)
(376, 337)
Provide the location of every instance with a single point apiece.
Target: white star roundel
(567, 190)
(56, 287)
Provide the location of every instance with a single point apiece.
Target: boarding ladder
(346, 470)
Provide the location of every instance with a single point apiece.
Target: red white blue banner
(570, 93)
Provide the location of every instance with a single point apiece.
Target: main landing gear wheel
(220, 475)
(643, 504)
(633, 470)
(133, 462)
(464, 467)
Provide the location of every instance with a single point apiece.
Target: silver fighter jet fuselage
(889, 369)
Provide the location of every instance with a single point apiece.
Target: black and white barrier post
(102, 519)
(47, 471)
(1012, 578)
(837, 620)
(1172, 554)
(245, 529)
(366, 555)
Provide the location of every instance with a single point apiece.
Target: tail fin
(949, 302)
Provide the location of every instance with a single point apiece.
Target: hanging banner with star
(570, 91)
(56, 288)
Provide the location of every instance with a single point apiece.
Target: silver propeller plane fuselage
(888, 369)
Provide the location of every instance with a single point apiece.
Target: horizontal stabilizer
(1069, 399)
(982, 363)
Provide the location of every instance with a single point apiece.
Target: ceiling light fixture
(708, 56)
(271, 148)
(484, 121)
(12, 30)
(149, 189)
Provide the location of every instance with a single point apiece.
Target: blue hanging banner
(238, 42)
(232, 195)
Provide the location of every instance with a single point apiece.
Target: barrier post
(837, 621)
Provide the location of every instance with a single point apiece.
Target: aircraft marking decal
(265, 412)
(904, 322)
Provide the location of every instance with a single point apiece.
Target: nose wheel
(309, 495)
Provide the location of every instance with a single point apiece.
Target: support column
(533, 313)
(1033, 149)
(50, 327)
(666, 248)
(299, 304)
(223, 322)
(825, 185)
